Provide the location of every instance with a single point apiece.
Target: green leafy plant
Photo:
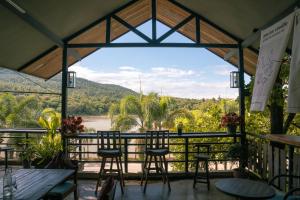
(28, 153)
(51, 143)
(236, 151)
(47, 147)
(50, 120)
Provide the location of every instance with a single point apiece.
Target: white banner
(294, 79)
(273, 44)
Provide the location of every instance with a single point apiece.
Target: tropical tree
(147, 111)
(18, 111)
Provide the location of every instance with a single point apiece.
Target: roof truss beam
(132, 28)
(175, 28)
(152, 44)
(154, 32)
(205, 20)
(255, 36)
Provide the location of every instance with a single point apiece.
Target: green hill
(88, 98)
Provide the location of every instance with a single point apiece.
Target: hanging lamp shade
(71, 79)
(234, 79)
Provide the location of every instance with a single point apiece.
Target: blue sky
(180, 72)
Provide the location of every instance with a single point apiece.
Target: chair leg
(166, 172)
(162, 170)
(76, 193)
(144, 169)
(196, 173)
(156, 164)
(207, 174)
(147, 174)
(100, 174)
(120, 159)
(111, 163)
(120, 175)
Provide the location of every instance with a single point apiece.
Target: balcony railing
(270, 159)
(180, 160)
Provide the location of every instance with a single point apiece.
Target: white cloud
(127, 68)
(170, 81)
(171, 72)
(223, 70)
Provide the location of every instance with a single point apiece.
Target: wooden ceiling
(136, 14)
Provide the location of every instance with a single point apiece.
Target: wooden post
(64, 90)
(243, 161)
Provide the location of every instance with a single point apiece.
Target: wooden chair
(291, 194)
(202, 157)
(157, 147)
(62, 190)
(110, 148)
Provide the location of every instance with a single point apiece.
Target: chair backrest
(157, 139)
(109, 139)
(203, 146)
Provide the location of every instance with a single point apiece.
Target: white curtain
(294, 78)
(273, 44)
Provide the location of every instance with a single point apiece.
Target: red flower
(72, 125)
(230, 119)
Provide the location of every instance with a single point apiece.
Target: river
(100, 123)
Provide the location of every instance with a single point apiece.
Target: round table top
(245, 188)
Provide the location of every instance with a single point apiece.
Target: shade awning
(25, 48)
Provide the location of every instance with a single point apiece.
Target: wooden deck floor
(181, 190)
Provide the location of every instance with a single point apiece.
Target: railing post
(291, 165)
(80, 149)
(186, 155)
(126, 155)
(26, 137)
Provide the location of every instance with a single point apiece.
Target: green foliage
(50, 120)
(28, 153)
(236, 151)
(50, 144)
(18, 111)
(47, 147)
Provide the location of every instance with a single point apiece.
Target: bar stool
(157, 147)
(110, 148)
(200, 157)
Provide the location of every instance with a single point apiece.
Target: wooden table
(33, 184)
(292, 141)
(245, 188)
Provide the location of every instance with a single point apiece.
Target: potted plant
(231, 121)
(179, 128)
(50, 144)
(27, 155)
(72, 126)
(236, 152)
